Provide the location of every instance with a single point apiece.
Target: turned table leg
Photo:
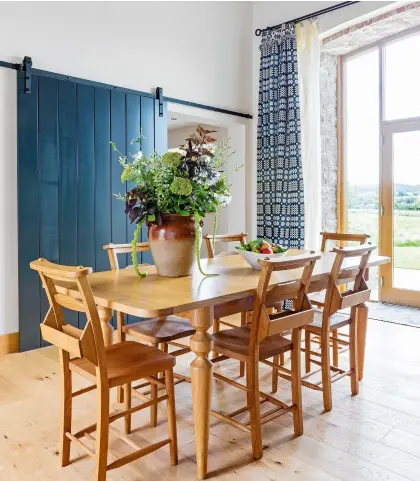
(105, 315)
(362, 319)
(201, 380)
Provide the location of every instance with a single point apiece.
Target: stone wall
(328, 92)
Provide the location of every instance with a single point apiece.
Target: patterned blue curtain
(280, 202)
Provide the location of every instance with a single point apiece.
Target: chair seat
(235, 343)
(127, 362)
(337, 320)
(160, 330)
(318, 297)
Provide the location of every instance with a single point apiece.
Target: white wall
(8, 204)
(196, 51)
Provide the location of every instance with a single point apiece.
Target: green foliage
(186, 182)
(190, 182)
(181, 186)
(134, 259)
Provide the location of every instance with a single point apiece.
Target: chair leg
(307, 351)
(254, 408)
(154, 395)
(165, 348)
(66, 408)
(275, 374)
(296, 382)
(102, 431)
(335, 347)
(216, 328)
(242, 364)
(127, 405)
(326, 372)
(153, 408)
(282, 359)
(173, 446)
(354, 363)
(120, 338)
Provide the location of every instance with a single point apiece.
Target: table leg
(362, 319)
(105, 315)
(201, 380)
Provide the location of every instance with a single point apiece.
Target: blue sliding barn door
(67, 175)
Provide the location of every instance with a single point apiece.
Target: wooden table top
(155, 296)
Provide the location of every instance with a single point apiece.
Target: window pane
(406, 189)
(402, 78)
(361, 147)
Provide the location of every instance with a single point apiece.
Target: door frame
(389, 293)
(386, 293)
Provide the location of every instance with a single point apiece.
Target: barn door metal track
(26, 66)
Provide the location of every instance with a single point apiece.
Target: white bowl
(252, 257)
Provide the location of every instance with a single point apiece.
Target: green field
(406, 234)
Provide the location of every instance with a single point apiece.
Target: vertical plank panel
(147, 147)
(85, 180)
(68, 180)
(28, 220)
(103, 193)
(118, 135)
(48, 176)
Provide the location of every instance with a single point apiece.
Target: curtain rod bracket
(27, 68)
(159, 97)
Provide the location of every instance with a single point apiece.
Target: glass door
(400, 222)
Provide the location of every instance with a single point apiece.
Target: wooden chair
(84, 352)
(329, 320)
(241, 238)
(159, 333)
(339, 339)
(262, 339)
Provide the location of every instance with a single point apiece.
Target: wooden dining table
(155, 296)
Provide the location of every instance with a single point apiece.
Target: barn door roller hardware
(27, 69)
(159, 97)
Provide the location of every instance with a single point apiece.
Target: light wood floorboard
(373, 436)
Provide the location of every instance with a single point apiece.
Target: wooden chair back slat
(208, 239)
(342, 237)
(262, 325)
(114, 249)
(360, 293)
(61, 340)
(87, 343)
(285, 321)
(69, 303)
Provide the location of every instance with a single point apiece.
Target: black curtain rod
(259, 31)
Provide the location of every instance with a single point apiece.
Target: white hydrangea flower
(223, 199)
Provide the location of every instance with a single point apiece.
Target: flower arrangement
(189, 182)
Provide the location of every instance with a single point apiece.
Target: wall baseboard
(9, 343)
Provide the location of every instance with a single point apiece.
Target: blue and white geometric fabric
(280, 201)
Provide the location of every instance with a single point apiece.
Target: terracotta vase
(173, 245)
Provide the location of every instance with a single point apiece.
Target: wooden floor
(374, 436)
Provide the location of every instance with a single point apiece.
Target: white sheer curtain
(308, 49)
